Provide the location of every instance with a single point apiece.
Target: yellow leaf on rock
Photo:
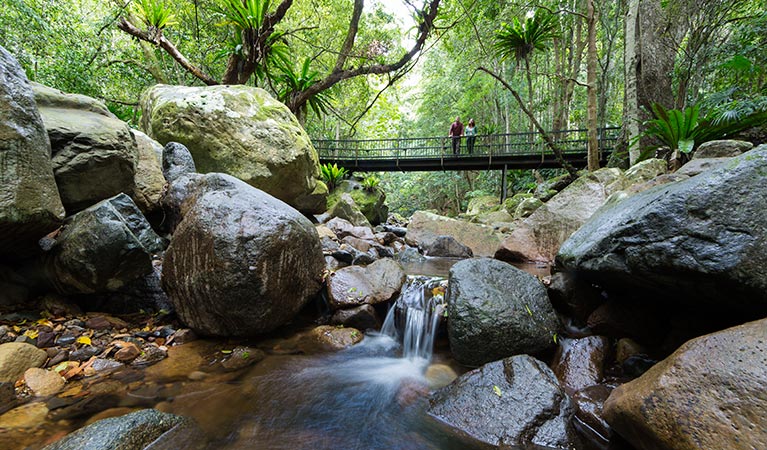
(497, 391)
(32, 334)
(85, 340)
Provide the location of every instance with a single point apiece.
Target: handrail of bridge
(513, 144)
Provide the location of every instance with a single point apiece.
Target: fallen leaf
(32, 334)
(85, 340)
(497, 391)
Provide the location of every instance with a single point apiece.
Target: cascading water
(421, 303)
(369, 397)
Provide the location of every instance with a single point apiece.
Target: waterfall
(414, 317)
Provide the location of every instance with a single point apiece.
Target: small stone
(242, 357)
(184, 335)
(101, 365)
(197, 376)
(84, 353)
(66, 339)
(30, 415)
(4, 330)
(25, 339)
(440, 375)
(127, 353)
(43, 383)
(74, 323)
(627, 348)
(17, 357)
(98, 323)
(61, 355)
(46, 339)
(149, 355)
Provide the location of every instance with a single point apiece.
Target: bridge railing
(521, 144)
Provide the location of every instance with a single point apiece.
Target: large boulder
(447, 246)
(138, 430)
(94, 153)
(150, 182)
(481, 204)
(538, 237)
(425, 227)
(372, 203)
(235, 255)
(30, 206)
(702, 240)
(513, 402)
(102, 248)
(708, 394)
(241, 131)
(346, 208)
(496, 310)
(376, 283)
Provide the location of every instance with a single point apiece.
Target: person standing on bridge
(471, 135)
(456, 131)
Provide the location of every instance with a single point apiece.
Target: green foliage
(520, 39)
(292, 83)
(154, 13)
(332, 174)
(370, 183)
(244, 15)
(684, 131)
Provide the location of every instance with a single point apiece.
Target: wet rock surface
(235, 255)
(708, 394)
(513, 402)
(639, 243)
(496, 310)
(132, 431)
(580, 363)
(376, 283)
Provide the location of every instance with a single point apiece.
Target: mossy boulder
(511, 203)
(482, 204)
(241, 131)
(371, 203)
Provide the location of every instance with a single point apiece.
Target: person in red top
(456, 131)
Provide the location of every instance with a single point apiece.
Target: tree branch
(428, 14)
(549, 142)
(351, 35)
(159, 40)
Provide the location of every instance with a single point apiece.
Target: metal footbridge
(497, 151)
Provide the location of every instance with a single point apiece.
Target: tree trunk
(631, 97)
(591, 80)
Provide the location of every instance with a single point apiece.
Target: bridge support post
(503, 183)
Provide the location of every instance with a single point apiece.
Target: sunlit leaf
(497, 391)
(85, 340)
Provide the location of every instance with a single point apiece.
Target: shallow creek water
(371, 396)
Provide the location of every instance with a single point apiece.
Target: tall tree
(255, 25)
(591, 81)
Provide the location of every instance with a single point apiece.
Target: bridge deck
(514, 151)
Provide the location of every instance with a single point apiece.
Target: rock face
(30, 206)
(496, 310)
(346, 208)
(703, 239)
(16, 358)
(150, 182)
(722, 149)
(103, 248)
(579, 363)
(241, 131)
(356, 285)
(235, 255)
(371, 203)
(447, 246)
(425, 227)
(513, 402)
(708, 394)
(94, 153)
(539, 236)
(134, 431)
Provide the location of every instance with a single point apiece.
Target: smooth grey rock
(103, 248)
(424, 227)
(149, 180)
(235, 255)
(513, 402)
(176, 161)
(447, 246)
(700, 241)
(30, 206)
(362, 317)
(134, 431)
(94, 153)
(356, 285)
(698, 166)
(721, 149)
(496, 310)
